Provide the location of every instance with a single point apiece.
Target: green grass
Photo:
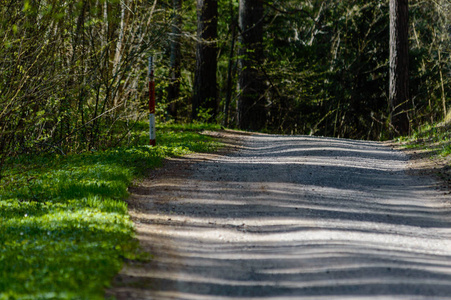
(435, 139)
(64, 227)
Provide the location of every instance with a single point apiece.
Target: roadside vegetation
(429, 151)
(64, 227)
(434, 139)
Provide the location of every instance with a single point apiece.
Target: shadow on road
(291, 218)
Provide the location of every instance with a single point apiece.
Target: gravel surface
(290, 217)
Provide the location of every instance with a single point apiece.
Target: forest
(74, 73)
(74, 106)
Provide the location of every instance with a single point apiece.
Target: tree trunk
(205, 88)
(399, 66)
(230, 67)
(251, 102)
(175, 60)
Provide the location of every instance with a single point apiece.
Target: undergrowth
(64, 227)
(435, 138)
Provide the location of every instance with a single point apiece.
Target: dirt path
(290, 218)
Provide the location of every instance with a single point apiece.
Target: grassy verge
(432, 139)
(64, 227)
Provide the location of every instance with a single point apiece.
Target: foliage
(70, 70)
(326, 65)
(328, 75)
(64, 227)
(435, 138)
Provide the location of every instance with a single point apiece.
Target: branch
(284, 11)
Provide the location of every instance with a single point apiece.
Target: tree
(175, 59)
(71, 71)
(251, 112)
(399, 65)
(231, 62)
(205, 88)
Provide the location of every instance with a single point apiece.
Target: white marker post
(151, 102)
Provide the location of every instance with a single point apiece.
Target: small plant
(204, 115)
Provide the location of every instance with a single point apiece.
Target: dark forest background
(73, 74)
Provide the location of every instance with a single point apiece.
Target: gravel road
(290, 217)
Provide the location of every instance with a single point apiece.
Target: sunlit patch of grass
(64, 227)
(434, 138)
